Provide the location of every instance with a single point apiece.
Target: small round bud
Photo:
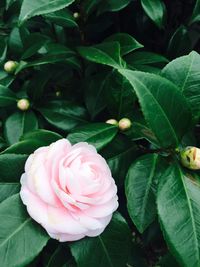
(58, 93)
(10, 66)
(124, 124)
(76, 15)
(190, 158)
(112, 121)
(23, 104)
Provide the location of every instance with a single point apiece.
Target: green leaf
(62, 17)
(11, 167)
(64, 115)
(120, 97)
(165, 109)
(41, 7)
(178, 209)
(18, 124)
(139, 191)
(8, 189)
(127, 42)
(196, 13)
(97, 134)
(110, 249)
(185, 73)
(18, 233)
(107, 53)
(32, 141)
(119, 155)
(7, 97)
(155, 10)
(94, 93)
(144, 58)
(112, 5)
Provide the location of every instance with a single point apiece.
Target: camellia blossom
(69, 190)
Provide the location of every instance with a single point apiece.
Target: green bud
(76, 15)
(10, 66)
(23, 104)
(112, 121)
(190, 158)
(124, 124)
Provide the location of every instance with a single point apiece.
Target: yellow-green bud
(112, 121)
(76, 15)
(58, 93)
(190, 158)
(10, 66)
(23, 104)
(124, 124)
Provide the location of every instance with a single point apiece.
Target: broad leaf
(18, 124)
(127, 42)
(97, 134)
(185, 73)
(112, 5)
(62, 17)
(7, 97)
(107, 53)
(18, 233)
(178, 209)
(155, 9)
(64, 115)
(8, 189)
(41, 7)
(165, 109)
(32, 141)
(110, 249)
(139, 191)
(11, 167)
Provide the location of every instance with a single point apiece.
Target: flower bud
(190, 158)
(112, 121)
(124, 124)
(23, 104)
(10, 66)
(76, 15)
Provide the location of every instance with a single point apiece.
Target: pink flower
(69, 190)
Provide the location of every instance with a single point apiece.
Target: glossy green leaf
(7, 97)
(120, 97)
(31, 141)
(18, 233)
(185, 73)
(107, 53)
(64, 115)
(178, 209)
(155, 9)
(63, 18)
(95, 93)
(162, 104)
(104, 250)
(8, 189)
(127, 42)
(11, 167)
(119, 155)
(139, 191)
(40, 7)
(97, 134)
(18, 124)
(112, 5)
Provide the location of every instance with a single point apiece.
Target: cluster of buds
(190, 158)
(124, 124)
